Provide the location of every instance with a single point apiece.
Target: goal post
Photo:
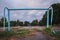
(47, 23)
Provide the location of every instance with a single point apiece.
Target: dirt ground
(35, 36)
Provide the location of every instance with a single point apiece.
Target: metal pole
(8, 21)
(30, 9)
(52, 19)
(4, 21)
(47, 18)
(51, 15)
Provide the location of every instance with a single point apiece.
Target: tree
(12, 23)
(43, 21)
(56, 16)
(17, 23)
(26, 23)
(21, 23)
(34, 23)
(2, 20)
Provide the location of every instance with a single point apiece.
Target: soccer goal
(47, 9)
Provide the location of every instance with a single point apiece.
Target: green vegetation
(34, 23)
(21, 33)
(7, 34)
(56, 15)
(57, 36)
(50, 33)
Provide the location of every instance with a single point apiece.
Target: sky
(25, 15)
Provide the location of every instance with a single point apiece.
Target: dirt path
(37, 36)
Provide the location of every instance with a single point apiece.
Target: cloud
(26, 15)
(32, 12)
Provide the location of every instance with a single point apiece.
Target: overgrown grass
(57, 36)
(47, 30)
(22, 33)
(7, 34)
(50, 33)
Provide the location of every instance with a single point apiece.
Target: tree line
(20, 23)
